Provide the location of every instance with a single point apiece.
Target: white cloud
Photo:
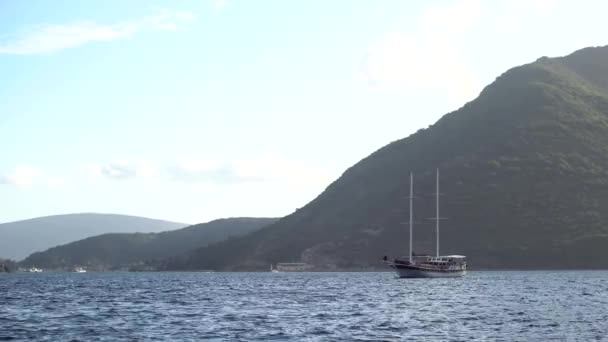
(197, 170)
(512, 18)
(118, 171)
(56, 182)
(267, 168)
(122, 170)
(431, 57)
(21, 176)
(147, 169)
(218, 4)
(24, 176)
(92, 170)
(253, 186)
(451, 18)
(51, 38)
(542, 7)
(275, 168)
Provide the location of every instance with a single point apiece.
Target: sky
(192, 110)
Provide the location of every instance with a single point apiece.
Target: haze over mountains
(524, 169)
(140, 251)
(21, 238)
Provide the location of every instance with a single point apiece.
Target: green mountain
(21, 238)
(140, 250)
(524, 171)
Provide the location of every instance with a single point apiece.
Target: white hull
(410, 273)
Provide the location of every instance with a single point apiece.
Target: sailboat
(428, 266)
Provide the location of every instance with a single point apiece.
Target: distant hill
(21, 238)
(524, 169)
(138, 250)
(7, 265)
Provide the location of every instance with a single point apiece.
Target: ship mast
(411, 212)
(437, 213)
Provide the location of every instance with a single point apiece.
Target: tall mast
(411, 212)
(437, 213)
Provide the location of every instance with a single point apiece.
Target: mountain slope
(21, 238)
(524, 169)
(114, 251)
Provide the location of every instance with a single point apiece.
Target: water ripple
(494, 306)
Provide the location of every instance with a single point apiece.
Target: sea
(483, 306)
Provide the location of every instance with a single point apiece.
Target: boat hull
(412, 271)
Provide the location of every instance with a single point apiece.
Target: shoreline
(333, 271)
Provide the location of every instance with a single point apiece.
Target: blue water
(484, 306)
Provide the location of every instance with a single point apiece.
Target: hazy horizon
(91, 213)
(195, 110)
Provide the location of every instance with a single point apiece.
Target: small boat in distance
(428, 266)
(34, 270)
(80, 270)
(273, 270)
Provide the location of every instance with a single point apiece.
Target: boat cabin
(447, 260)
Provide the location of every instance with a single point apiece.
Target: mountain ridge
(140, 251)
(21, 238)
(524, 165)
(85, 213)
